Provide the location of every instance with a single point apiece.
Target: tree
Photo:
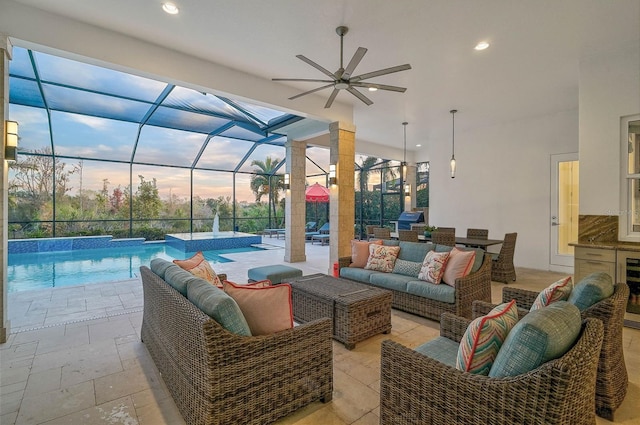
(146, 201)
(265, 183)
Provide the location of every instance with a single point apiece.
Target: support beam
(5, 57)
(295, 205)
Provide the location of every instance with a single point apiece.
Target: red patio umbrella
(316, 193)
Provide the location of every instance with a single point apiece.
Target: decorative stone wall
(597, 228)
(295, 205)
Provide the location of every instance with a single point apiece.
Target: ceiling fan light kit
(342, 79)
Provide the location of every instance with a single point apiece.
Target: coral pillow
(557, 291)
(199, 266)
(484, 337)
(382, 258)
(266, 310)
(433, 267)
(458, 265)
(360, 252)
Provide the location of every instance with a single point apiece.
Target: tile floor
(75, 356)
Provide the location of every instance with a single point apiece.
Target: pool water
(80, 267)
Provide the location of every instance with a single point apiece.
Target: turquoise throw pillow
(591, 289)
(538, 337)
(407, 268)
(214, 302)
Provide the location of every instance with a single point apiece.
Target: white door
(564, 209)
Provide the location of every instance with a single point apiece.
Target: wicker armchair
(440, 237)
(415, 389)
(612, 379)
(381, 233)
(503, 269)
(408, 235)
(216, 377)
(369, 229)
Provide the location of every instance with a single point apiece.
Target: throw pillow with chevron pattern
(557, 291)
(484, 337)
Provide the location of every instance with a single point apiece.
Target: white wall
(609, 90)
(503, 181)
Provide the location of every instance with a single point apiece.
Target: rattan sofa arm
(482, 308)
(452, 326)
(524, 298)
(344, 262)
(474, 286)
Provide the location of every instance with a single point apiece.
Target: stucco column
(410, 178)
(295, 206)
(5, 53)
(342, 201)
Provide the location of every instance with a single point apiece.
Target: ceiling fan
(342, 79)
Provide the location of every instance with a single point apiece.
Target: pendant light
(453, 143)
(407, 187)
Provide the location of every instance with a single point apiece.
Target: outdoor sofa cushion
(442, 349)
(354, 273)
(159, 266)
(444, 293)
(393, 281)
(591, 289)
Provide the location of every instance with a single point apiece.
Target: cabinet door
(586, 267)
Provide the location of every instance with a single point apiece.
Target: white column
(5, 57)
(295, 206)
(410, 178)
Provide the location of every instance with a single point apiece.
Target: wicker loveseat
(612, 379)
(416, 389)
(217, 377)
(474, 286)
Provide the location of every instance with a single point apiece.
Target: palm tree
(264, 182)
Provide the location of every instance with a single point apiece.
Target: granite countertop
(619, 245)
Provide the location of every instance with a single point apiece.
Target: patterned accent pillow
(458, 265)
(199, 266)
(557, 291)
(360, 252)
(407, 268)
(382, 258)
(484, 337)
(433, 267)
(267, 310)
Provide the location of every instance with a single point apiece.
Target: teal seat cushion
(441, 349)
(396, 282)
(443, 248)
(442, 292)
(276, 273)
(590, 290)
(391, 242)
(215, 303)
(354, 273)
(159, 266)
(542, 335)
(177, 278)
(414, 251)
(407, 268)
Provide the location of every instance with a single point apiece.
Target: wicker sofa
(475, 286)
(416, 389)
(612, 379)
(217, 377)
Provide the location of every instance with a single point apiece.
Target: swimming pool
(42, 270)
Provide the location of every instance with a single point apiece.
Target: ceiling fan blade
(381, 72)
(332, 97)
(311, 91)
(302, 79)
(360, 96)
(381, 87)
(355, 60)
(315, 65)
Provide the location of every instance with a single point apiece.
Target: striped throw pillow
(484, 337)
(557, 291)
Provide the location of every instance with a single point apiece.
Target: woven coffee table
(358, 311)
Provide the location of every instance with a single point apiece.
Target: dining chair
(408, 235)
(502, 268)
(478, 233)
(369, 231)
(381, 233)
(440, 237)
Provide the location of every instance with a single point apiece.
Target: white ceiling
(531, 68)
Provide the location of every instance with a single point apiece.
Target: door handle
(553, 223)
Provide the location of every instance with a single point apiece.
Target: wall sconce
(407, 190)
(11, 146)
(287, 184)
(332, 175)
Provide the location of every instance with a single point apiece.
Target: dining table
(460, 240)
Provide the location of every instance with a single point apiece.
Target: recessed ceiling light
(418, 145)
(170, 8)
(482, 45)
(373, 89)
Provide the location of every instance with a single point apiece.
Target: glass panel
(165, 146)
(223, 154)
(193, 100)
(634, 198)
(568, 202)
(391, 176)
(109, 138)
(317, 161)
(262, 113)
(390, 208)
(69, 100)
(267, 156)
(243, 134)
(634, 148)
(20, 63)
(422, 185)
(212, 192)
(33, 129)
(82, 75)
(25, 92)
(187, 121)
